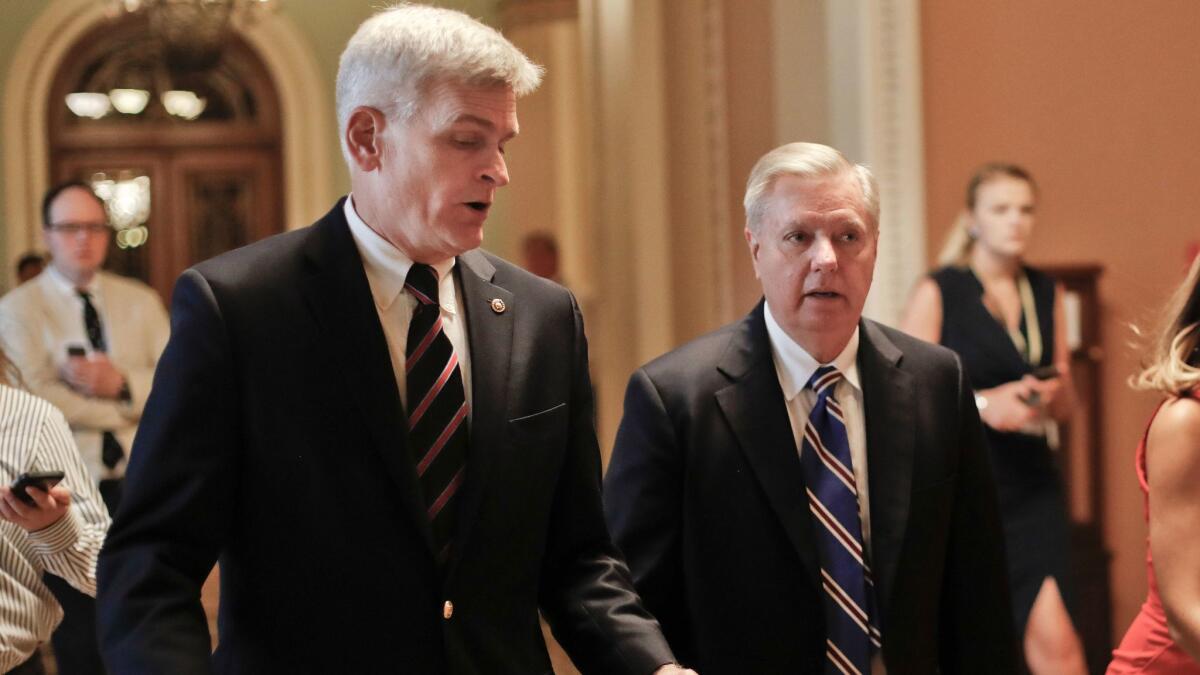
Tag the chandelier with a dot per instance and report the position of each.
(193, 32)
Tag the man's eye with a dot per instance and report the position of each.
(797, 237)
(467, 142)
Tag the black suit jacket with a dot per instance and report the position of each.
(705, 496)
(274, 438)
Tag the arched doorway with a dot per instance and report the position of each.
(188, 160)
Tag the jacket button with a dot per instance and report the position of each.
(447, 610)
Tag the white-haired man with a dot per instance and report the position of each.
(805, 490)
(384, 434)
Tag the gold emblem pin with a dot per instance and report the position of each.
(498, 306)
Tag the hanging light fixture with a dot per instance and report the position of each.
(129, 101)
(183, 103)
(93, 105)
(194, 32)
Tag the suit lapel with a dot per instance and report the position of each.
(755, 409)
(889, 408)
(340, 298)
(490, 335)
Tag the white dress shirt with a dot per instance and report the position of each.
(34, 437)
(42, 317)
(795, 366)
(387, 268)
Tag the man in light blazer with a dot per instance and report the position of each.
(384, 434)
(805, 490)
(86, 340)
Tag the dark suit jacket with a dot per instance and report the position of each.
(274, 438)
(705, 496)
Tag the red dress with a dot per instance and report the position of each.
(1147, 647)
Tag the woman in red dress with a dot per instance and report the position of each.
(1165, 636)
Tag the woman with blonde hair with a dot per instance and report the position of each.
(1165, 635)
(1004, 320)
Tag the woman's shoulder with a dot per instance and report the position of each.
(952, 278)
(1179, 416)
(14, 397)
(1173, 442)
(18, 404)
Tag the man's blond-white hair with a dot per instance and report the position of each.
(398, 52)
(806, 160)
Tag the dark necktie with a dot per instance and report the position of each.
(851, 624)
(437, 408)
(111, 451)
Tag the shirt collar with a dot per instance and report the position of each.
(387, 266)
(67, 287)
(795, 365)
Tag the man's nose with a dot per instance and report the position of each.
(497, 171)
(824, 257)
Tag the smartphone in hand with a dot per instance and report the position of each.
(43, 480)
(1046, 372)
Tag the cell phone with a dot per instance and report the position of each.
(43, 480)
(1046, 372)
(76, 350)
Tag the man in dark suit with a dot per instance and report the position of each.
(384, 434)
(806, 491)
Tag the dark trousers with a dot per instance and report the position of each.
(75, 646)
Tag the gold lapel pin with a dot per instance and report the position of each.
(498, 306)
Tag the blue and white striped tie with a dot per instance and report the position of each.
(851, 625)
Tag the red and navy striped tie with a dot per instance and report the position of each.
(851, 625)
(437, 408)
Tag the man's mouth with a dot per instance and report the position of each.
(828, 295)
(481, 207)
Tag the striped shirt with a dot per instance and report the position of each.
(34, 437)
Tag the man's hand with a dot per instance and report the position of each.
(93, 376)
(674, 669)
(48, 507)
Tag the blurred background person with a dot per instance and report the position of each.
(88, 341)
(29, 265)
(1165, 635)
(1000, 316)
(539, 254)
(60, 533)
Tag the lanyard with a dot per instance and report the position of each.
(1030, 348)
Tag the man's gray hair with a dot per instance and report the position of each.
(806, 160)
(399, 51)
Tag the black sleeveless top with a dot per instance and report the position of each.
(979, 338)
(1032, 501)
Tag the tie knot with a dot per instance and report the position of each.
(422, 282)
(824, 378)
(86, 296)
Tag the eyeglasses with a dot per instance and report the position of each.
(72, 229)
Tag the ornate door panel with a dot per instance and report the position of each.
(226, 199)
(193, 155)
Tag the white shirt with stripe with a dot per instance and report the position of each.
(34, 436)
(794, 366)
(387, 268)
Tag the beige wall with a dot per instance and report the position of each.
(1098, 98)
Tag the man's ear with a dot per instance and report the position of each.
(753, 245)
(752, 242)
(364, 137)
